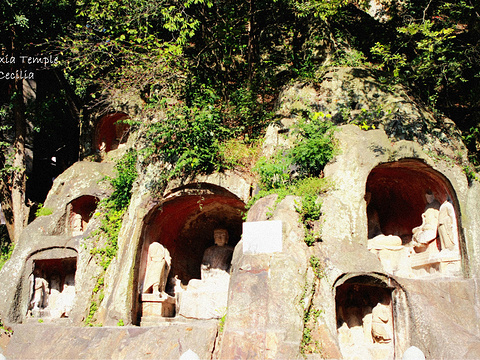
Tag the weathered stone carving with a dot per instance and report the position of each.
(77, 224)
(437, 220)
(207, 298)
(427, 232)
(52, 299)
(158, 267)
(421, 256)
(218, 256)
(366, 329)
(382, 329)
(156, 303)
(447, 227)
(40, 290)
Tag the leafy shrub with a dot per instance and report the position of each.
(6, 247)
(235, 152)
(315, 146)
(274, 172)
(189, 138)
(123, 182)
(43, 211)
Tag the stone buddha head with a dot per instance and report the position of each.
(220, 237)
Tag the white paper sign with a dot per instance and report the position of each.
(262, 237)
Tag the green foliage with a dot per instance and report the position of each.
(311, 313)
(135, 45)
(319, 8)
(89, 320)
(274, 172)
(310, 210)
(43, 211)
(3, 328)
(235, 152)
(123, 182)
(189, 138)
(114, 208)
(6, 247)
(221, 324)
(317, 267)
(471, 174)
(276, 180)
(436, 49)
(315, 146)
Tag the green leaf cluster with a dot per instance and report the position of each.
(315, 146)
(6, 247)
(43, 211)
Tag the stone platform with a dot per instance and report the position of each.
(127, 342)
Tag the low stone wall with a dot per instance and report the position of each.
(168, 341)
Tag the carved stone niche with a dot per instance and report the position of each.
(111, 133)
(79, 213)
(52, 286)
(413, 215)
(183, 225)
(365, 321)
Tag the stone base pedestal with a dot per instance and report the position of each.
(205, 299)
(159, 307)
(445, 262)
(198, 304)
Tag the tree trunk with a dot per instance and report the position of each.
(251, 41)
(18, 184)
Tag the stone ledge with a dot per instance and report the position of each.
(126, 342)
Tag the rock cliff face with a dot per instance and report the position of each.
(371, 287)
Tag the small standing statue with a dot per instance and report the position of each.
(382, 328)
(447, 227)
(158, 267)
(40, 293)
(218, 256)
(77, 224)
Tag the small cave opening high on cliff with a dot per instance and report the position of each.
(111, 132)
(395, 194)
(80, 211)
(184, 224)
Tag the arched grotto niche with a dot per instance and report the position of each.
(371, 313)
(111, 133)
(413, 220)
(51, 283)
(79, 213)
(184, 225)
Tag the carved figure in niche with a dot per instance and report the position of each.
(39, 296)
(207, 298)
(382, 329)
(103, 145)
(77, 224)
(447, 227)
(158, 267)
(218, 256)
(54, 299)
(68, 295)
(427, 232)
